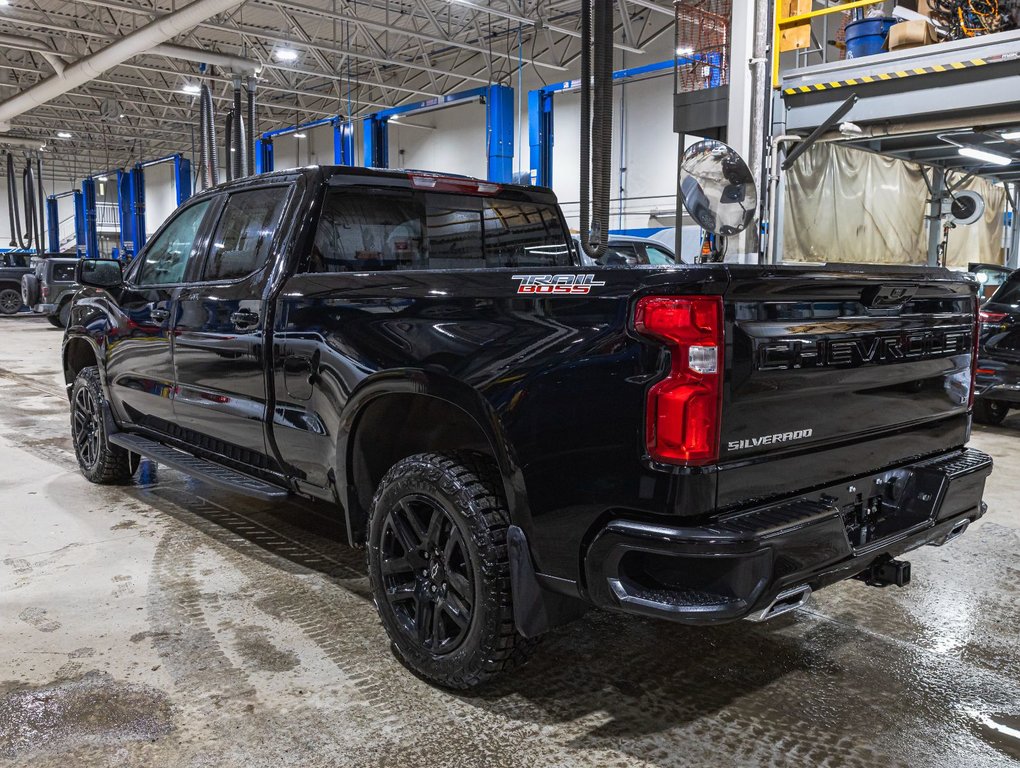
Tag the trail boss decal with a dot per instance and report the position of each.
(556, 285)
(755, 442)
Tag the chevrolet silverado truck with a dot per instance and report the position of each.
(515, 437)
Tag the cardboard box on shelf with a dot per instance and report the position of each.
(911, 34)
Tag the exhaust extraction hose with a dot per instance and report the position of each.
(228, 137)
(596, 168)
(203, 142)
(236, 162)
(249, 144)
(17, 239)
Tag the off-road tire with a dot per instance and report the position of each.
(99, 460)
(63, 314)
(990, 411)
(467, 488)
(54, 320)
(29, 290)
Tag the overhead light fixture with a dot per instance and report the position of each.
(684, 51)
(286, 54)
(63, 135)
(191, 88)
(5, 2)
(300, 135)
(988, 157)
(1011, 135)
(100, 178)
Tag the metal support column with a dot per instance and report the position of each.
(125, 207)
(88, 194)
(138, 199)
(263, 155)
(1013, 254)
(938, 191)
(499, 131)
(343, 142)
(540, 136)
(377, 142)
(79, 223)
(52, 225)
(182, 183)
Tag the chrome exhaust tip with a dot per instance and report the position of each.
(786, 601)
(955, 531)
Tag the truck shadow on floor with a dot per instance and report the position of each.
(626, 679)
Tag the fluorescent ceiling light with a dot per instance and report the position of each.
(100, 178)
(191, 88)
(300, 135)
(1011, 135)
(5, 2)
(63, 135)
(988, 157)
(684, 51)
(286, 54)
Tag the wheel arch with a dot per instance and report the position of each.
(401, 414)
(80, 352)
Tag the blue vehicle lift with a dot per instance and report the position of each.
(540, 106)
(131, 199)
(53, 221)
(499, 129)
(343, 142)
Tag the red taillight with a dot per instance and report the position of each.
(991, 317)
(440, 183)
(44, 291)
(683, 411)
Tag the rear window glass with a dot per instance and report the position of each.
(1008, 293)
(368, 230)
(245, 233)
(63, 273)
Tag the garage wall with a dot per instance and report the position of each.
(450, 140)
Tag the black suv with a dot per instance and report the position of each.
(49, 287)
(13, 266)
(998, 373)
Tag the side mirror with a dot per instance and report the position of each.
(99, 273)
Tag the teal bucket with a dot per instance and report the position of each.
(867, 36)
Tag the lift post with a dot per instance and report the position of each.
(79, 223)
(377, 141)
(52, 225)
(343, 142)
(540, 109)
(88, 215)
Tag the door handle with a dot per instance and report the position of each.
(244, 318)
(159, 315)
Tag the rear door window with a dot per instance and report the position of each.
(370, 230)
(63, 273)
(244, 234)
(167, 257)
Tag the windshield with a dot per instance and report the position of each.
(367, 229)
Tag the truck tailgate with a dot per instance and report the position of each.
(823, 364)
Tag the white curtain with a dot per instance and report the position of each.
(846, 205)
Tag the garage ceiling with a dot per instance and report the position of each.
(353, 56)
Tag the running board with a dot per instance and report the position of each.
(202, 469)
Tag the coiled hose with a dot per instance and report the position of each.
(596, 171)
(237, 160)
(203, 142)
(249, 145)
(228, 138)
(209, 153)
(17, 239)
(28, 187)
(41, 197)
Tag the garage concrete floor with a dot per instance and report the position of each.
(172, 624)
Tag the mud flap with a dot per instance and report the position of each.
(536, 610)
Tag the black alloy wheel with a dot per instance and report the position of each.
(10, 301)
(85, 427)
(98, 459)
(439, 568)
(990, 411)
(426, 573)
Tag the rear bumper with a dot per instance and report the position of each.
(44, 309)
(737, 565)
(998, 380)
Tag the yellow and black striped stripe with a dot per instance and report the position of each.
(885, 76)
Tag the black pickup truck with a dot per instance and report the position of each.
(515, 437)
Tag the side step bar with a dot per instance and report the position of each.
(200, 468)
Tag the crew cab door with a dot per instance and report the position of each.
(139, 367)
(219, 360)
